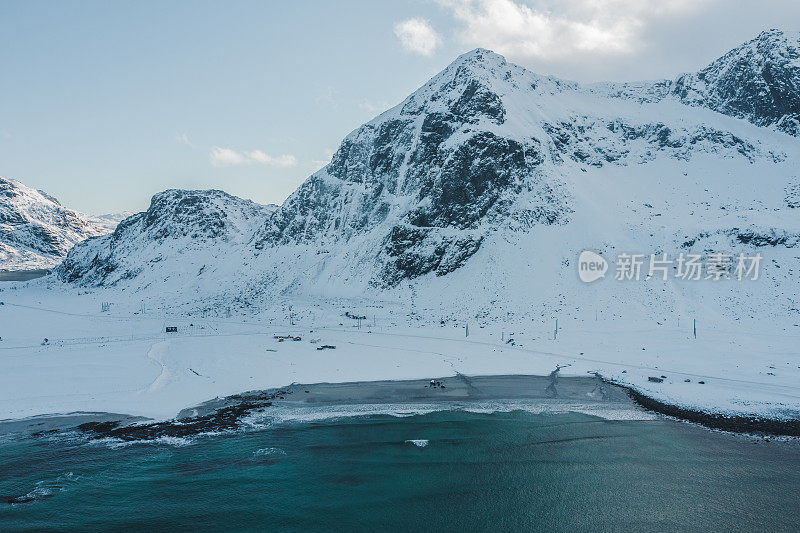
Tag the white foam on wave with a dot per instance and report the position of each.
(265, 452)
(600, 410)
(284, 414)
(47, 488)
(39, 493)
(115, 443)
(419, 443)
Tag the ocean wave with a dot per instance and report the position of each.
(44, 490)
(268, 452)
(176, 442)
(305, 414)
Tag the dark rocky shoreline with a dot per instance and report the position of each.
(749, 425)
(218, 419)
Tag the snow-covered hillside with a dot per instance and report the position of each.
(474, 196)
(493, 178)
(182, 233)
(36, 231)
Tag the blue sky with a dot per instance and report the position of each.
(103, 104)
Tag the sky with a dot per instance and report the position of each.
(103, 104)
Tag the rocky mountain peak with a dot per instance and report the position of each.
(467, 89)
(777, 42)
(197, 214)
(479, 58)
(36, 231)
(180, 227)
(476, 87)
(758, 81)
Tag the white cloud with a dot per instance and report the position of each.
(416, 35)
(284, 160)
(549, 30)
(184, 139)
(226, 157)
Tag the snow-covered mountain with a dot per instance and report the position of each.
(110, 221)
(475, 195)
(36, 231)
(758, 81)
(182, 232)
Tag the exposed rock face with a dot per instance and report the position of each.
(758, 81)
(425, 177)
(36, 231)
(177, 226)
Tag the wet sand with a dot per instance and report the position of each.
(221, 414)
(459, 388)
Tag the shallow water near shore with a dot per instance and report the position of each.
(444, 470)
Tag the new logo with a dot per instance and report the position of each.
(591, 266)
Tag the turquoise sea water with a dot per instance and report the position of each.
(502, 471)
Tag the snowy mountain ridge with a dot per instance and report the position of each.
(184, 230)
(493, 178)
(111, 220)
(485, 141)
(36, 231)
(758, 81)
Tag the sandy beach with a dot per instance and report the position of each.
(552, 393)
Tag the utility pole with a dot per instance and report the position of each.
(694, 327)
(466, 329)
(555, 333)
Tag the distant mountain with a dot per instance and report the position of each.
(181, 232)
(36, 231)
(110, 220)
(475, 195)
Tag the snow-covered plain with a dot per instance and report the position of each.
(122, 360)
